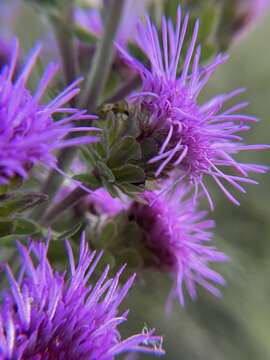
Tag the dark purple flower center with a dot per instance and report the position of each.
(156, 233)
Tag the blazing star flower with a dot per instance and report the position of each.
(192, 139)
(176, 238)
(45, 316)
(28, 133)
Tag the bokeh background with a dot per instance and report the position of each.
(236, 327)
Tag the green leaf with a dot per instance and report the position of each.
(89, 180)
(129, 173)
(71, 232)
(89, 156)
(25, 227)
(12, 228)
(130, 189)
(131, 257)
(127, 149)
(107, 236)
(102, 148)
(18, 202)
(83, 35)
(110, 187)
(6, 227)
(104, 171)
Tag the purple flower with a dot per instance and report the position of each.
(28, 133)
(258, 6)
(249, 12)
(46, 316)
(101, 202)
(176, 239)
(91, 20)
(192, 139)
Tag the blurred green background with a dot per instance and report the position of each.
(236, 327)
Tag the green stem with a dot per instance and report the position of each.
(64, 37)
(63, 32)
(103, 57)
(53, 182)
(69, 201)
(98, 74)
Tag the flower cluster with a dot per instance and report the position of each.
(177, 236)
(28, 133)
(46, 315)
(147, 173)
(192, 139)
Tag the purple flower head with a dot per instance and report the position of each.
(177, 238)
(46, 315)
(192, 139)
(91, 20)
(28, 133)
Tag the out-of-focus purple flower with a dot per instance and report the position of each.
(45, 316)
(248, 12)
(192, 139)
(176, 239)
(91, 20)
(259, 6)
(28, 133)
(101, 202)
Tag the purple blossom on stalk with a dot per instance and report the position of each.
(195, 140)
(91, 20)
(28, 133)
(258, 6)
(250, 11)
(177, 236)
(45, 316)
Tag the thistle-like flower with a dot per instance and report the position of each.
(191, 139)
(176, 237)
(91, 20)
(28, 133)
(45, 316)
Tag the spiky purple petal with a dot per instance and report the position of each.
(200, 140)
(177, 235)
(28, 133)
(48, 315)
